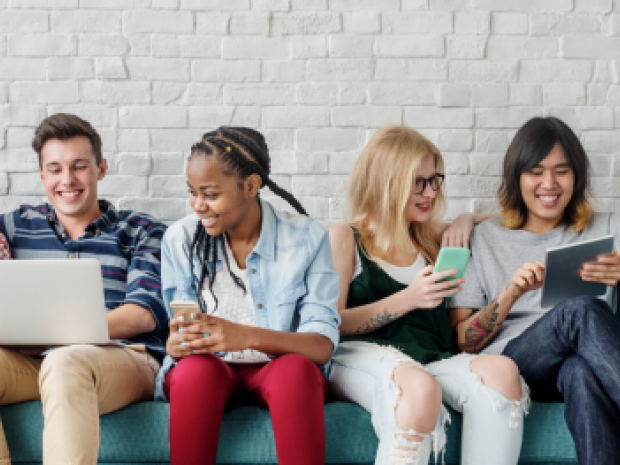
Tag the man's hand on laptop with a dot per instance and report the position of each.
(527, 278)
(605, 270)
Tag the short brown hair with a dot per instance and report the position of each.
(65, 126)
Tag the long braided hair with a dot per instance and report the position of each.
(245, 152)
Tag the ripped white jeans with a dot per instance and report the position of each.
(362, 373)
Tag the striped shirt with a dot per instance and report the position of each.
(126, 243)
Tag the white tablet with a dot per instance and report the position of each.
(562, 265)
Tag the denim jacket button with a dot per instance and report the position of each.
(260, 305)
(253, 270)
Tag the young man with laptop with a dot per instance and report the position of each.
(571, 351)
(77, 383)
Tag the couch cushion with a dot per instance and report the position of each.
(139, 433)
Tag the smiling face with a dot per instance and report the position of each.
(69, 173)
(419, 207)
(219, 197)
(547, 190)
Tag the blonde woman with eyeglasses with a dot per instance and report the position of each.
(398, 357)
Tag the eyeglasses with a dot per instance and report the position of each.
(435, 181)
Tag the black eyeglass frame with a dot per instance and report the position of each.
(428, 181)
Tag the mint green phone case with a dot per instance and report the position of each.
(452, 258)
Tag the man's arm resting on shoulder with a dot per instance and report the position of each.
(130, 320)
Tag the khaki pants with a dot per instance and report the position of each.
(76, 384)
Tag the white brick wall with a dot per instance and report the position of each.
(317, 77)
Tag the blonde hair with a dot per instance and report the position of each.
(382, 184)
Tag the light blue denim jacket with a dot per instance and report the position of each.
(294, 288)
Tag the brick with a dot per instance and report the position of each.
(509, 23)
(418, 22)
(172, 4)
(458, 187)
(97, 115)
(593, 6)
(454, 140)
(411, 70)
(352, 94)
(69, 68)
(110, 68)
(492, 141)
(41, 45)
(312, 185)
(487, 164)
(305, 23)
(164, 209)
(485, 206)
(18, 137)
(402, 94)
(23, 115)
(174, 45)
(312, 163)
(215, 23)
(328, 139)
(115, 4)
(523, 5)
(585, 117)
(408, 5)
(226, 71)
(168, 186)
(158, 21)
(613, 95)
(257, 94)
(452, 5)
(133, 140)
(474, 22)
(564, 94)
(174, 140)
(351, 46)
(455, 163)
(201, 94)
(454, 95)
(294, 117)
(163, 69)
(135, 164)
(466, 46)
(215, 5)
(433, 117)
(603, 71)
(525, 94)
(316, 93)
(589, 47)
(309, 4)
(215, 116)
(168, 92)
(521, 47)
(361, 22)
(168, 163)
(279, 139)
(600, 164)
(336, 208)
(512, 117)
(489, 95)
(22, 68)
(153, 116)
(236, 48)
(356, 5)
(284, 71)
(271, 5)
(51, 4)
(340, 69)
(103, 44)
(555, 71)
(284, 162)
(483, 71)
(83, 21)
(132, 186)
(116, 93)
(249, 24)
(563, 24)
(19, 160)
(485, 186)
(308, 47)
(366, 116)
(23, 22)
(410, 46)
(25, 184)
(4, 92)
(597, 93)
(44, 92)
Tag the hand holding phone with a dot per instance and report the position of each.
(452, 258)
(183, 310)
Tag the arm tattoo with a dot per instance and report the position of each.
(380, 320)
(481, 326)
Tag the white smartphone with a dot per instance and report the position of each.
(182, 308)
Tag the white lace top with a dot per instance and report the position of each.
(234, 306)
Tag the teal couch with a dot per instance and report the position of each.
(138, 434)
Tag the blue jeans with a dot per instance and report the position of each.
(573, 353)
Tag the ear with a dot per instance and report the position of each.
(253, 184)
(102, 169)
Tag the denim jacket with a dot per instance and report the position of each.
(293, 282)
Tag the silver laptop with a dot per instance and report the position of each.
(52, 302)
(562, 265)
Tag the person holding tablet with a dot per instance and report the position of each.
(265, 290)
(570, 352)
(396, 358)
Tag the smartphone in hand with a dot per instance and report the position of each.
(184, 309)
(452, 258)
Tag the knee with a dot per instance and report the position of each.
(575, 375)
(198, 370)
(500, 373)
(299, 372)
(584, 305)
(419, 403)
(63, 369)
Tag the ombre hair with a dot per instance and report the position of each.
(382, 185)
(532, 143)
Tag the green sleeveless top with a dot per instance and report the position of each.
(423, 334)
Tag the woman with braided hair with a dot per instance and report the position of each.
(267, 292)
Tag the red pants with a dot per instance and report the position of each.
(200, 387)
